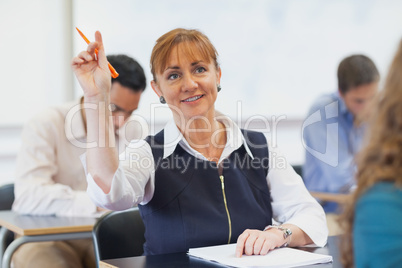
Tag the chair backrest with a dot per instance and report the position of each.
(6, 196)
(298, 169)
(119, 234)
(6, 202)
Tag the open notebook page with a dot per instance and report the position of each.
(281, 257)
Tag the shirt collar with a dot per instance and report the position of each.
(172, 137)
(234, 139)
(342, 106)
(343, 110)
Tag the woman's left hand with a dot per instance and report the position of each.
(256, 242)
(92, 71)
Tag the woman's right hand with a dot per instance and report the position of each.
(92, 71)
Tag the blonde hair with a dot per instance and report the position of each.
(193, 44)
(381, 159)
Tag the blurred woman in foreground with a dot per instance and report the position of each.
(373, 220)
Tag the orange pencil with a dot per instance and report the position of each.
(112, 70)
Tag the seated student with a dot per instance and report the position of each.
(338, 124)
(373, 220)
(202, 180)
(50, 179)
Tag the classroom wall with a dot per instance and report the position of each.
(35, 51)
(276, 56)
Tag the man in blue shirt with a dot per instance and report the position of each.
(334, 128)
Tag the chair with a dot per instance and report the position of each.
(298, 169)
(6, 196)
(6, 202)
(119, 234)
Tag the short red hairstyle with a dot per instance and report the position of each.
(193, 44)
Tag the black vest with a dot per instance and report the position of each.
(188, 207)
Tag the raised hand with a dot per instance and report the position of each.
(92, 71)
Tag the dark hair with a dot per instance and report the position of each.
(356, 70)
(131, 74)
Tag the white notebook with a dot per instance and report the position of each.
(281, 257)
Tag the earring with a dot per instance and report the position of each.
(162, 100)
(219, 87)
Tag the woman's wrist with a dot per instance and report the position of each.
(285, 232)
(101, 97)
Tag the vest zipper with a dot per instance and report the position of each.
(226, 207)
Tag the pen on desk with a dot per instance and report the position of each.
(112, 70)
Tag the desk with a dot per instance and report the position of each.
(331, 197)
(39, 229)
(183, 260)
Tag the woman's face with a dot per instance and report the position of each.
(188, 86)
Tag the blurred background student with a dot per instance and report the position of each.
(50, 179)
(373, 220)
(333, 141)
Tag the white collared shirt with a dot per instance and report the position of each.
(49, 178)
(134, 181)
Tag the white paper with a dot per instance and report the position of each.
(281, 257)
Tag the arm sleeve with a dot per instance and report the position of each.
(377, 229)
(133, 181)
(292, 203)
(329, 162)
(36, 192)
